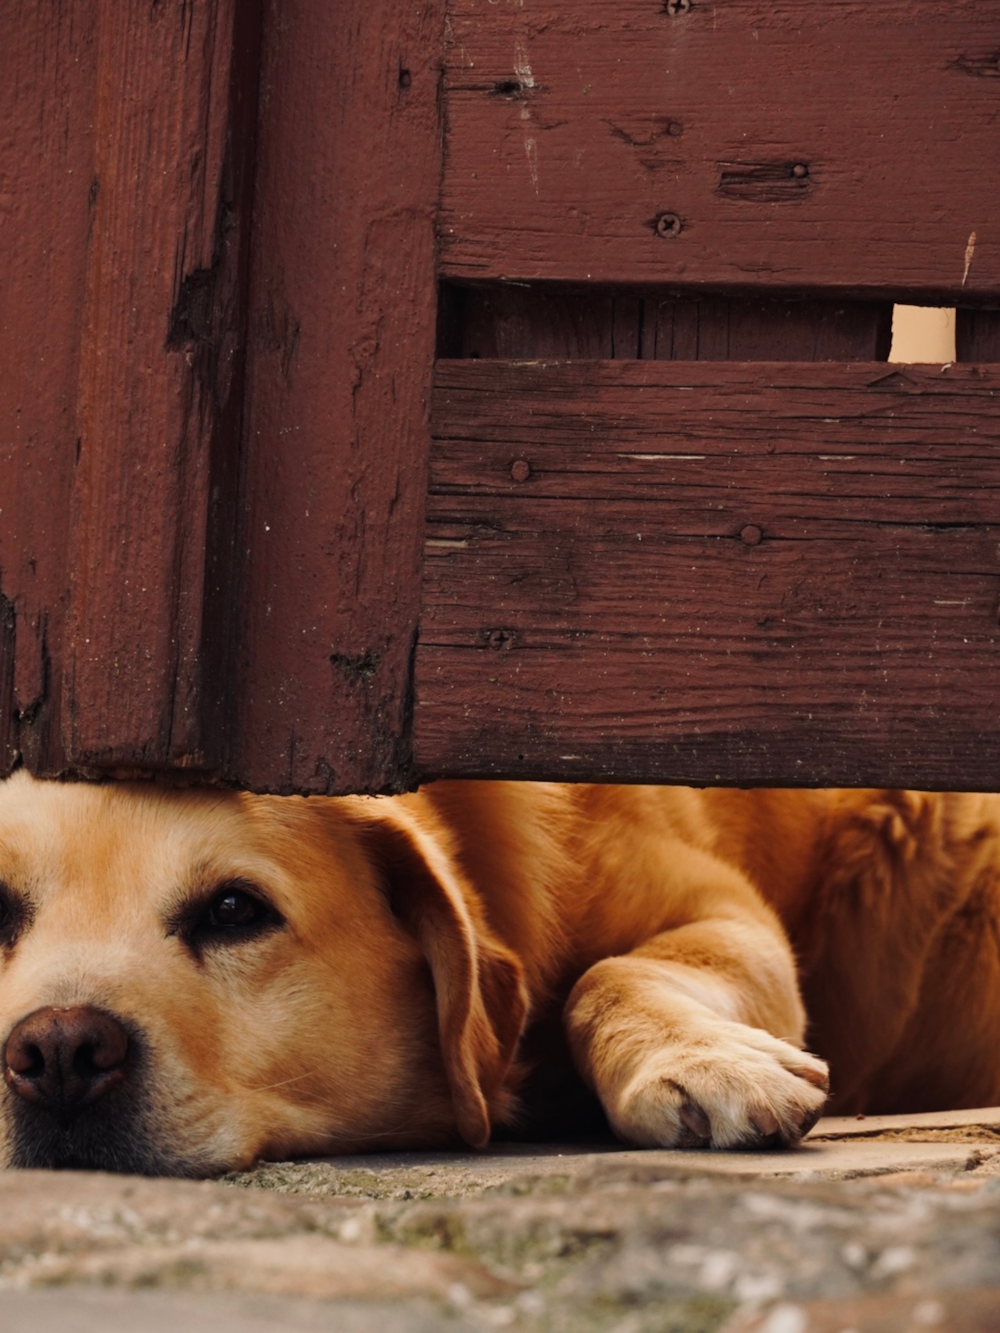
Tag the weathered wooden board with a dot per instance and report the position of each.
(519, 323)
(160, 378)
(712, 573)
(342, 348)
(46, 173)
(788, 145)
(126, 137)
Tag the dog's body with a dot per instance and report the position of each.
(192, 979)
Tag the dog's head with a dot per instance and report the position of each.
(192, 980)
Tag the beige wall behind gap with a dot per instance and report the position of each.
(922, 333)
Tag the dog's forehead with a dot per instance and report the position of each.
(57, 831)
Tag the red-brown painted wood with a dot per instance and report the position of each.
(46, 174)
(977, 335)
(342, 328)
(712, 573)
(159, 363)
(516, 323)
(789, 146)
(205, 573)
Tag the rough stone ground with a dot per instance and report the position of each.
(877, 1225)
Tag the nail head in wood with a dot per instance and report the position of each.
(751, 535)
(520, 470)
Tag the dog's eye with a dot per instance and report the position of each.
(13, 917)
(233, 907)
(234, 913)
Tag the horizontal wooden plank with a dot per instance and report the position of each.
(784, 145)
(658, 571)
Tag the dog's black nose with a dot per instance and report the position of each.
(65, 1058)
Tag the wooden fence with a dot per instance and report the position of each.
(498, 387)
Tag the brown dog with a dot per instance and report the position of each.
(192, 980)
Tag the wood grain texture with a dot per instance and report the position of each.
(343, 318)
(712, 573)
(798, 147)
(46, 173)
(526, 323)
(159, 366)
(977, 335)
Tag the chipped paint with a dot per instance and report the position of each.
(970, 251)
(522, 69)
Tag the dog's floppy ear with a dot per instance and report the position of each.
(481, 996)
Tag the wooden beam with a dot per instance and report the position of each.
(656, 571)
(160, 383)
(46, 209)
(337, 437)
(790, 146)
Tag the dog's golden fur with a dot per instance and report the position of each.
(409, 944)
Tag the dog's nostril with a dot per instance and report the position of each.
(35, 1062)
(26, 1059)
(65, 1058)
(84, 1063)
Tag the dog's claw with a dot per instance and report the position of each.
(765, 1123)
(818, 1077)
(696, 1122)
(808, 1120)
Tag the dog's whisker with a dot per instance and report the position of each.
(269, 1087)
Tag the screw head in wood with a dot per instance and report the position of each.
(520, 469)
(751, 535)
(668, 225)
(675, 7)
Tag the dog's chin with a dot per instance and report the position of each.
(105, 1137)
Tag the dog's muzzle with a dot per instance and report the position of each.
(78, 1094)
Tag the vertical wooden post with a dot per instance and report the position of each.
(46, 174)
(160, 366)
(340, 365)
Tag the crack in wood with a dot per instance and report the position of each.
(983, 66)
(190, 320)
(765, 182)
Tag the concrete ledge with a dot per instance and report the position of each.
(865, 1224)
(985, 1121)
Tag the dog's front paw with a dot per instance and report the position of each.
(730, 1086)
